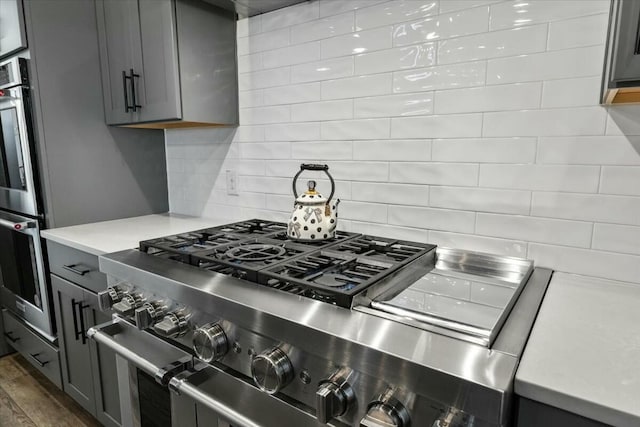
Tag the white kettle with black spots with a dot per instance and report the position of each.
(314, 216)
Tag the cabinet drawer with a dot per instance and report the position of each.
(36, 350)
(76, 266)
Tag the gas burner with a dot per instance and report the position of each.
(255, 252)
(180, 246)
(389, 250)
(254, 227)
(340, 236)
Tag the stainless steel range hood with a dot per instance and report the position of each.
(246, 8)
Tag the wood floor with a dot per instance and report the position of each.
(29, 399)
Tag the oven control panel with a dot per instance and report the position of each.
(330, 391)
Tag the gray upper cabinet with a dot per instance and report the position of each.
(167, 63)
(12, 30)
(621, 77)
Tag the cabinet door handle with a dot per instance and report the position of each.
(77, 269)
(10, 337)
(75, 319)
(34, 356)
(83, 329)
(133, 78)
(127, 107)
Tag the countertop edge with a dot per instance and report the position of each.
(72, 243)
(585, 408)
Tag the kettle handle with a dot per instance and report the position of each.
(314, 167)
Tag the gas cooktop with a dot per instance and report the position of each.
(260, 251)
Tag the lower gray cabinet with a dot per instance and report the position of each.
(88, 370)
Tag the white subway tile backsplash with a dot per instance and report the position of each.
(574, 92)
(481, 199)
(323, 110)
(579, 179)
(334, 7)
(356, 43)
(355, 87)
(293, 132)
(582, 62)
(587, 207)
(265, 150)
(323, 28)
(496, 44)
(392, 12)
(325, 150)
(397, 194)
(531, 229)
(263, 79)
(266, 41)
(454, 24)
(263, 115)
(616, 238)
(440, 77)
(479, 243)
(555, 122)
(409, 104)
(585, 31)
(485, 150)
(355, 129)
(322, 70)
(292, 94)
(249, 63)
(467, 123)
(434, 173)
(433, 219)
(447, 6)
(392, 150)
(590, 150)
(517, 96)
(291, 55)
(623, 180)
(399, 58)
(296, 14)
(519, 13)
(358, 211)
(451, 126)
(588, 262)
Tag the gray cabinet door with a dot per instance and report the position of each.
(103, 361)
(157, 63)
(119, 38)
(77, 379)
(626, 60)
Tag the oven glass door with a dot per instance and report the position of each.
(17, 191)
(23, 283)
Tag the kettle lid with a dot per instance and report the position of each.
(311, 196)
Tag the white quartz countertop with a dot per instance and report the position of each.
(583, 355)
(112, 236)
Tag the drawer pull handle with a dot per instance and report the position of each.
(10, 337)
(34, 356)
(77, 269)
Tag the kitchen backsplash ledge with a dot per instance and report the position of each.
(470, 124)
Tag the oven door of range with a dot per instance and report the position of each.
(23, 284)
(201, 395)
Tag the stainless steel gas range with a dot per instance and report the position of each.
(238, 325)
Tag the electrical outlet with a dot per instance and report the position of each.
(232, 182)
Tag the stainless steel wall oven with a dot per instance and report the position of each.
(23, 278)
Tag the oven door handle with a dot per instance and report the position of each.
(17, 226)
(180, 385)
(149, 353)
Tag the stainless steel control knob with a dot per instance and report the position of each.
(172, 325)
(127, 305)
(149, 313)
(110, 296)
(210, 343)
(272, 370)
(333, 398)
(386, 411)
